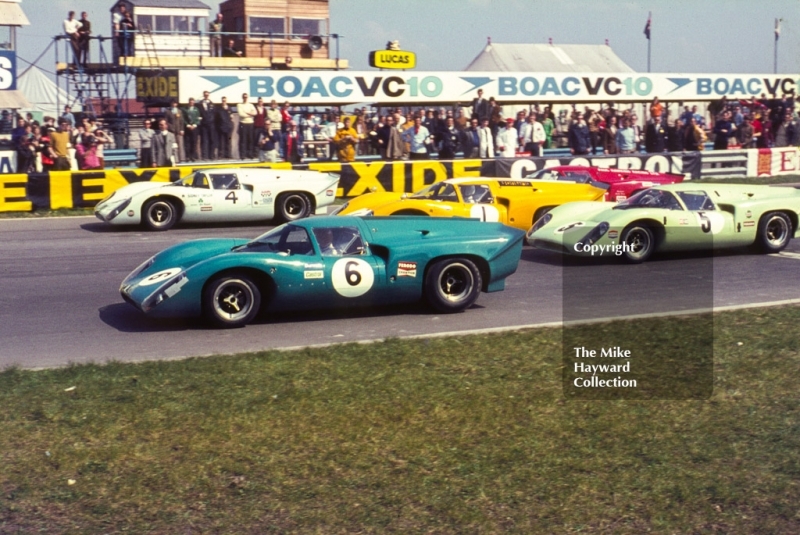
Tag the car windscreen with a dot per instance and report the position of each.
(696, 200)
(441, 191)
(651, 198)
(196, 180)
(287, 239)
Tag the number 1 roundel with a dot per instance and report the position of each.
(352, 277)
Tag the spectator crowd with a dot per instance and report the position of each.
(268, 132)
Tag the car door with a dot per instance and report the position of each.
(229, 201)
(196, 196)
(353, 275)
(708, 226)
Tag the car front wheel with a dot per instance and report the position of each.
(293, 206)
(452, 284)
(638, 242)
(231, 301)
(159, 214)
(774, 232)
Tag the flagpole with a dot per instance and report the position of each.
(647, 31)
(777, 33)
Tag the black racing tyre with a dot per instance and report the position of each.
(293, 206)
(159, 214)
(231, 301)
(639, 243)
(774, 232)
(452, 284)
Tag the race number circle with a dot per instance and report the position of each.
(710, 221)
(484, 212)
(571, 226)
(161, 276)
(352, 277)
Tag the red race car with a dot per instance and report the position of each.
(622, 182)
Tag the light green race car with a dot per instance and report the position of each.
(675, 217)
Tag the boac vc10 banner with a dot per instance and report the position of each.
(345, 87)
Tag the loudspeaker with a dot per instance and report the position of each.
(315, 42)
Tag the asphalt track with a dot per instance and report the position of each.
(59, 300)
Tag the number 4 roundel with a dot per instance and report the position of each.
(352, 277)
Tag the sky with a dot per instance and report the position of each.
(699, 36)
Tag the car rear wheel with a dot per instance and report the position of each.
(231, 301)
(452, 284)
(159, 214)
(293, 206)
(774, 232)
(638, 242)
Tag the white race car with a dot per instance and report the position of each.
(221, 195)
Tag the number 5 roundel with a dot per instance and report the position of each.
(352, 277)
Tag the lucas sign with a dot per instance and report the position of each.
(344, 87)
(392, 59)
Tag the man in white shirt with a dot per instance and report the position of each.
(532, 136)
(418, 137)
(506, 141)
(247, 142)
(71, 27)
(486, 146)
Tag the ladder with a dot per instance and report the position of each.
(150, 49)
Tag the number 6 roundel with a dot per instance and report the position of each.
(352, 277)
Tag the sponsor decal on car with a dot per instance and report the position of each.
(748, 214)
(206, 208)
(316, 274)
(683, 221)
(406, 269)
(315, 265)
(514, 183)
(749, 224)
(266, 194)
(613, 234)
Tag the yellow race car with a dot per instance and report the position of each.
(517, 203)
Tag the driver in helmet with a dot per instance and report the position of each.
(325, 241)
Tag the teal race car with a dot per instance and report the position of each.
(328, 262)
(676, 217)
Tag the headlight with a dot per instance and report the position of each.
(342, 207)
(118, 209)
(595, 234)
(136, 272)
(542, 221)
(165, 291)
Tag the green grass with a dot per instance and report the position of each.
(460, 435)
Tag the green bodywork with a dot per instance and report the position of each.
(719, 216)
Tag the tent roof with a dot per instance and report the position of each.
(43, 94)
(529, 57)
(11, 14)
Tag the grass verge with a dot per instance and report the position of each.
(459, 435)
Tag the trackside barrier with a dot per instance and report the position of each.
(83, 189)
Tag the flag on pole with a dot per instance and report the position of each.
(647, 28)
(777, 28)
